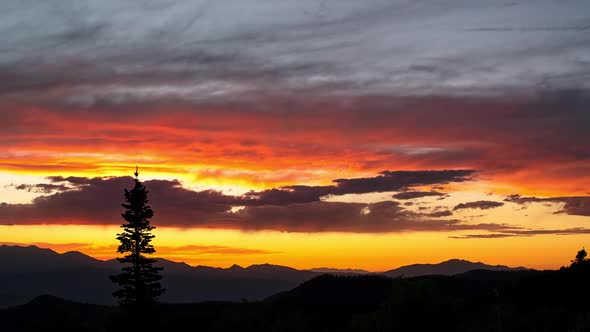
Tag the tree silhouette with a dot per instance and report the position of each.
(139, 280)
(580, 257)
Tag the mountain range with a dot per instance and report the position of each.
(27, 272)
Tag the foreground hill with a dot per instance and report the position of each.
(470, 302)
(27, 272)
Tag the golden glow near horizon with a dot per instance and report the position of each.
(372, 252)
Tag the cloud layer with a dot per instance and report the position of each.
(293, 209)
(138, 50)
(278, 142)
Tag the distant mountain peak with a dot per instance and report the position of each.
(449, 267)
(459, 260)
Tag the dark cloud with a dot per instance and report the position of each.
(518, 199)
(525, 233)
(572, 205)
(416, 194)
(567, 231)
(97, 201)
(385, 181)
(290, 194)
(384, 216)
(485, 236)
(44, 188)
(74, 180)
(579, 206)
(440, 214)
(397, 180)
(482, 205)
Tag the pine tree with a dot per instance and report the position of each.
(139, 280)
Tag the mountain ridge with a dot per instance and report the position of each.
(257, 266)
(26, 272)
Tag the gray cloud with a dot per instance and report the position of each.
(524, 233)
(44, 188)
(384, 216)
(572, 205)
(385, 181)
(396, 180)
(485, 236)
(416, 194)
(91, 52)
(482, 205)
(439, 214)
(97, 201)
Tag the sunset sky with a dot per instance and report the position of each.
(309, 133)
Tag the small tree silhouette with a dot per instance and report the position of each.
(139, 280)
(580, 257)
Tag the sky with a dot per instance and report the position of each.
(349, 134)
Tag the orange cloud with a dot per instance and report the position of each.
(274, 141)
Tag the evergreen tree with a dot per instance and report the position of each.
(139, 280)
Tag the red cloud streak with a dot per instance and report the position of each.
(537, 143)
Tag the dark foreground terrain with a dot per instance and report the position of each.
(473, 301)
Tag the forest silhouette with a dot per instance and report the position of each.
(478, 300)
